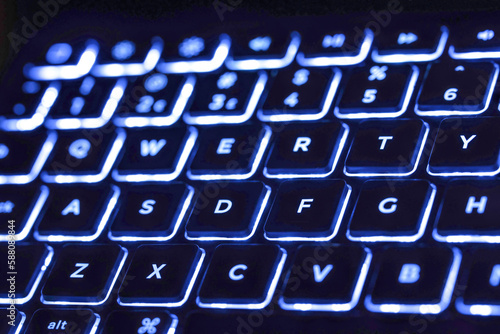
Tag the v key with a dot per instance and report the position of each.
(320, 274)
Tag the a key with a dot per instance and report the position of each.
(389, 148)
(15, 320)
(307, 210)
(376, 91)
(298, 93)
(253, 50)
(151, 212)
(229, 152)
(23, 268)
(479, 283)
(225, 97)
(154, 154)
(241, 276)
(68, 320)
(154, 100)
(468, 212)
(466, 146)
(133, 322)
(392, 210)
(417, 280)
(83, 155)
(23, 205)
(194, 53)
(22, 155)
(233, 214)
(456, 88)
(75, 213)
(331, 278)
(163, 275)
(83, 274)
(476, 38)
(85, 103)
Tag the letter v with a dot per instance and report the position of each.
(319, 275)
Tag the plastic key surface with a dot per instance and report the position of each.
(133, 322)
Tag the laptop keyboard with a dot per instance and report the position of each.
(233, 180)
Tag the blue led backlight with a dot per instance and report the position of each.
(123, 50)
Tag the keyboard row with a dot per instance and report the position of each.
(231, 97)
(305, 210)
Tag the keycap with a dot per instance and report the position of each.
(456, 88)
(163, 275)
(386, 148)
(225, 97)
(391, 210)
(468, 212)
(133, 322)
(22, 155)
(73, 213)
(466, 146)
(258, 49)
(85, 103)
(154, 100)
(331, 281)
(307, 210)
(233, 213)
(23, 268)
(299, 94)
(83, 155)
(22, 205)
(199, 53)
(68, 320)
(475, 39)
(479, 280)
(228, 152)
(151, 212)
(83, 274)
(241, 276)
(15, 320)
(376, 91)
(417, 280)
(153, 154)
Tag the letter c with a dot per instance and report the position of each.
(232, 274)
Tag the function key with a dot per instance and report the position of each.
(47, 321)
(225, 98)
(376, 91)
(300, 94)
(454, 88)
(476, 38)
(133, 322)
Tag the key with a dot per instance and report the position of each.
(387, 148)
(198, 53)
(23, 268)
(455, 88)
(233, 214)
(225, 97)
(475, 39)
(154, 100)
(154, 154)
(241, 277)
(129, 58)
(23, 155)
(468, 212)
(307, 210)
(83, 155)
(392, 210)
(229, 152)
(49, 321)
(75, 214)
(417, 280)
(466, 146)
(164, 275)
(151, 212)
(335, 47)
(255, 50)
(376, 91)
(133, 322)
(83, 274)
(331, 282)
(479, 282)
(15, 321)
(299, 94)
(85, 103)
(22, 205)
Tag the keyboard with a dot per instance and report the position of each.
(330, 174)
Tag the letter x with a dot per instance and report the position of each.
(156, 271)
